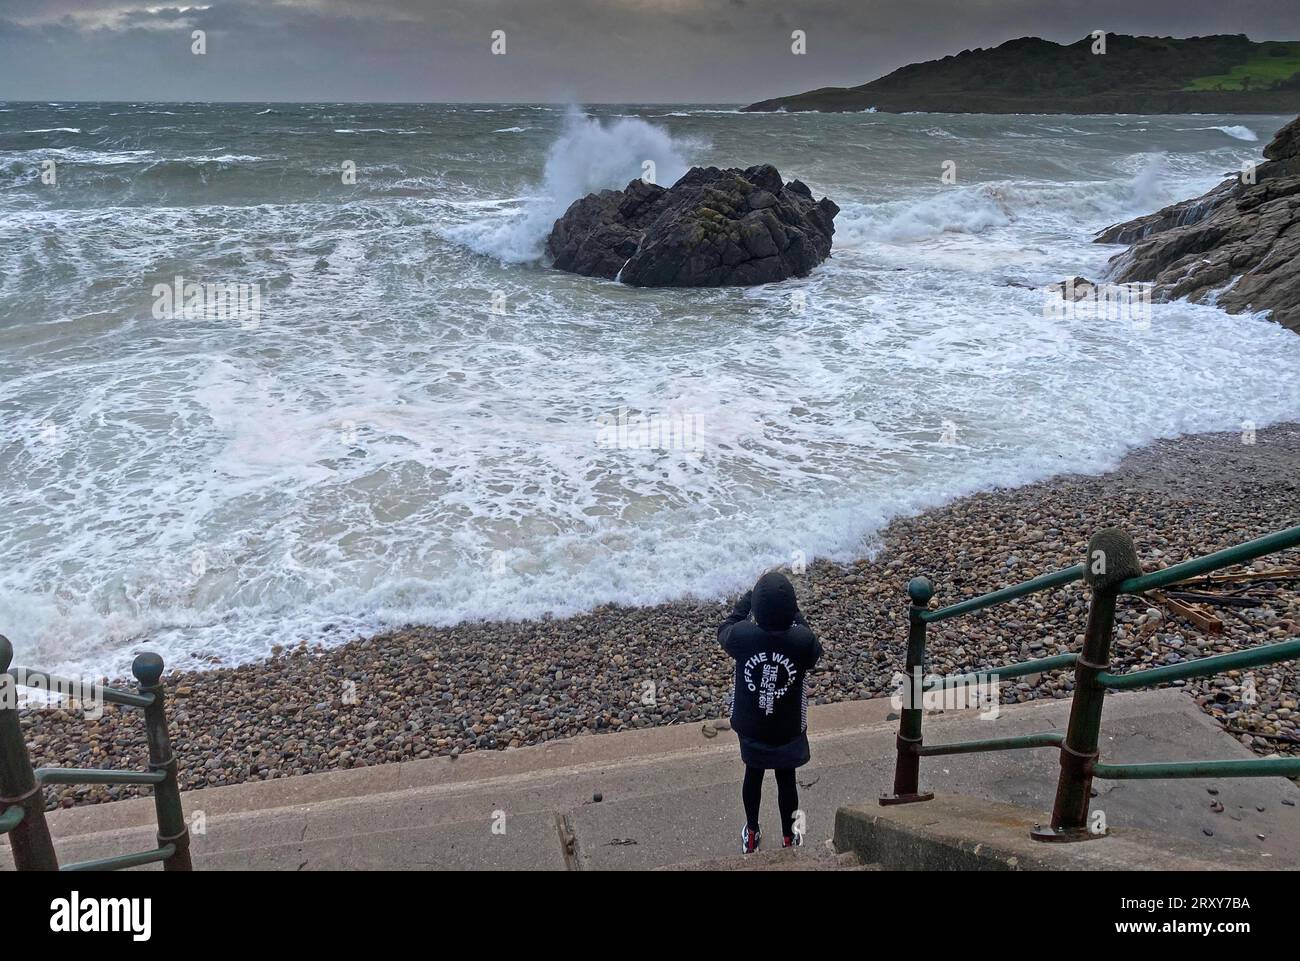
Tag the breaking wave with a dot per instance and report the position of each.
(587, 156)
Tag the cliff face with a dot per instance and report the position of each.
(1221, 74)
(1237, 246)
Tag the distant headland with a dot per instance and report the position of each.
(1151, 75)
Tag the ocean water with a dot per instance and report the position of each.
(415, 424)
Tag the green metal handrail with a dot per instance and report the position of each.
(1249, 551)
(164, 853)
(1040, 666)
(910, 748)
(1032, 586)
(109, 695)
(90, 775)
(1078, 746)
(1045, 739)
(1245, 767)
(1202, 666)
(23, 801)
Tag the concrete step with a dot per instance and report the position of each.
(954, 833)
(504, 810)
(479, 771)
(807, 858)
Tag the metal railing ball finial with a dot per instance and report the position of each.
(147, 668)
(920, 590)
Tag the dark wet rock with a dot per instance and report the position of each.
(1074, 289)
(1237, 246)
(599, 233)
(713, 228)
(1284, 148)
(1182, 214)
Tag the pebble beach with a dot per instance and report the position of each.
(420, 692)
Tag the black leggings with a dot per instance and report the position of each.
(787, 797)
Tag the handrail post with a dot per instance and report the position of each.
(1112, 558)
(29, 841)
(172, 829)
(907, 768)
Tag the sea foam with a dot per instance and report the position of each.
(413, 432)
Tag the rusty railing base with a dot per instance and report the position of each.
(1045, 832)
(888, 799)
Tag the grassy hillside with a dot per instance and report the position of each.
(1219, 74)
(1277, 65)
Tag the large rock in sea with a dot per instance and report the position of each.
(1237, 246)
(713, 228)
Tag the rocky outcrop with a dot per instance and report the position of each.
(713, 228)
(1237, 246)
(1182, 214)
(1075, 289)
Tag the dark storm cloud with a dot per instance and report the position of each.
(590, 50)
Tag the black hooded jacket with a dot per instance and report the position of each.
(773, 652)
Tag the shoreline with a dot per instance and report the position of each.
(419, 692)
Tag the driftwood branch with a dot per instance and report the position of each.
(1242, 577)
(1219, 600)
(1202, 619)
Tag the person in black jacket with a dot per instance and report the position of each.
(769, 708)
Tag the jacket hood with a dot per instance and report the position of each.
(774, 603)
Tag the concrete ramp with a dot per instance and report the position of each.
(671, 797)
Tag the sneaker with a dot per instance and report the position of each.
(792, 840)
(749, 840)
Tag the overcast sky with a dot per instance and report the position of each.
(556, 50)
